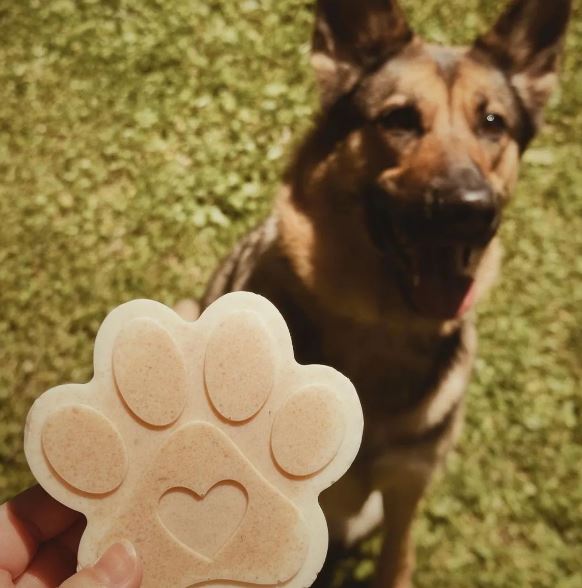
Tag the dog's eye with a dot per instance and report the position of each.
(493, 124)
(403, 119)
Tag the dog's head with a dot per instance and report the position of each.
(398, 192)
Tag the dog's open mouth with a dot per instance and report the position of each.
(439, 279)
(436, 273)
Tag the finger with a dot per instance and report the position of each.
(119, 567)
(55, 561)
(27, 520)
(6, 580)
(47, 517)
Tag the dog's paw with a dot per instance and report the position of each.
(204, 443)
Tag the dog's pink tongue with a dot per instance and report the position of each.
(439, 293)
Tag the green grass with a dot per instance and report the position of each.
(140, 138)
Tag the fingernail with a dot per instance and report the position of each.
(117, 565)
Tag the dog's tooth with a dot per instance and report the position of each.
(469, 258)
(475, 258)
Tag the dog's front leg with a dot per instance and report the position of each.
(396, 562)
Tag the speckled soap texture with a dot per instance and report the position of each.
(204, 443)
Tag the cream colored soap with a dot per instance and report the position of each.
(204, 443)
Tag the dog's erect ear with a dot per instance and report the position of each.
(526, 43)
(354, 36)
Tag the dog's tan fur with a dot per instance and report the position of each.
(315, 260)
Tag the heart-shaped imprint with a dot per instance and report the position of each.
(204, 523)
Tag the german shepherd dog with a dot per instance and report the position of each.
(383, 237)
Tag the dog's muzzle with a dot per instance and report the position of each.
(437, 236)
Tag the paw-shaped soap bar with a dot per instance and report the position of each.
(204, 443)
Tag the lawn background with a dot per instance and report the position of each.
(140, 138)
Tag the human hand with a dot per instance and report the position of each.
(39, 539)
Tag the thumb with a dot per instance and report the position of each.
(118, 567)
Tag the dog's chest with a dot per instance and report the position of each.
(392, 370)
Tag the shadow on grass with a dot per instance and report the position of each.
(350, 568)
